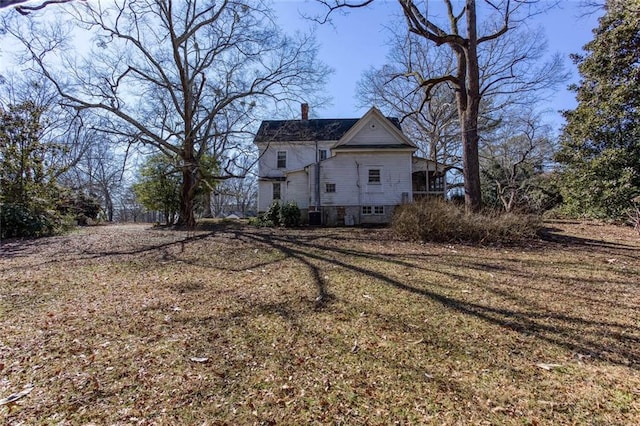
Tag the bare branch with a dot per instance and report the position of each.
(186, 78)
(25, 9)
(334, 5)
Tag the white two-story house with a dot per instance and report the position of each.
(342, 171)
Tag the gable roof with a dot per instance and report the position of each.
(372, 117)
(323, 129)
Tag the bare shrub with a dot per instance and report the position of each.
(440, 221)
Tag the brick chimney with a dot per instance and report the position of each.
(304, 110)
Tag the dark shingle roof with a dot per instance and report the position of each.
(324, 129)
(373, 146)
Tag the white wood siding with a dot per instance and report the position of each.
(348, 169)
(297, 189)
(349, 172)
(373, 133)
(265, 194)
(299, 155)
(264, 200)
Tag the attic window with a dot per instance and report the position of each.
(374, 176)
(330, 187)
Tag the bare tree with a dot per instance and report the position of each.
(130, 209)
(185, 78)
(86, 161)
(515, 154)
(25, 7)
(245, 193)
(432, 125)
(60, 125)
(464, 39)
(237, 194)
(100, 173)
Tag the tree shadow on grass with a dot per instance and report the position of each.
(554, 235)
(618, 343)
(63, 248)
(606, 340)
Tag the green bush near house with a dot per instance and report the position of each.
(273, 214)
(289, 215)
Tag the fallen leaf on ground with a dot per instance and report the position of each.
(548, 367)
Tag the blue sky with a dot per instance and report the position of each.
(356, 42)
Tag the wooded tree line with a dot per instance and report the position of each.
(183, 84)
(472, 94)
(600, 144)
(185, 80)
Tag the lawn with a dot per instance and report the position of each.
(231, 324)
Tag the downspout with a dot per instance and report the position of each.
(426, 178)
(444, 185)
(317, 179)
(359, 193)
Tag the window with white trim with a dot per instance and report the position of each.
(277, 190)
(330, 187)
(372, 210)
(281, 159)
(322, 154)
(374, 176)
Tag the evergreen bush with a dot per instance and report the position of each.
(17, 220)
(273, 214)
(289, 215)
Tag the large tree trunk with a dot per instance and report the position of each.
(207, 205)
(469, 113)
(189, 167)
(470, 160)
(189, 183)
(187, 194)
(109, 206)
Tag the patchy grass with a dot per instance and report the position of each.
(237, 325)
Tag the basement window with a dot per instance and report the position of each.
(372, 210)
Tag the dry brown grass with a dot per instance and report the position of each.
(320, 326)
(437, 220)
